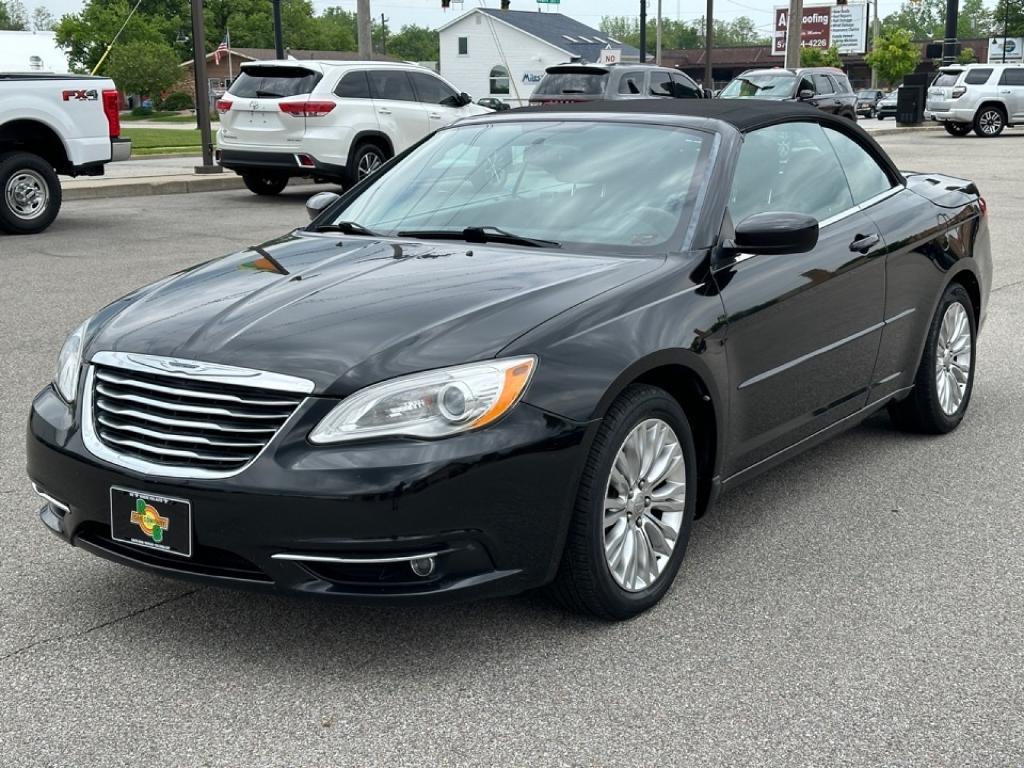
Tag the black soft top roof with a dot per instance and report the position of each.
(744, 114)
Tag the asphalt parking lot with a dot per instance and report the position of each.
(862, 605)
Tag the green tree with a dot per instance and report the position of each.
(144, 68)
(893, 56)
(967, 56)
(680, 34)
(926, 19)
(42, 19)
(820, 57)
(13, 15)
(414, 43)
(85, 35)
(1008, 14)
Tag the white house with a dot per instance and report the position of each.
(487, 52)
(31, 52)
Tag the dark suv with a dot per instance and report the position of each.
(569, 83)
(826, 88)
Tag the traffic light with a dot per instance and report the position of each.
(446, 4)
(505, 4)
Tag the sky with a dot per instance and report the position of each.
(428, 13)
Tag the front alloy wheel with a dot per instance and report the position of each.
(634, 508)
(644, 505)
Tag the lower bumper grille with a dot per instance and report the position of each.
(182, 420)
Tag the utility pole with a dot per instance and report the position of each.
(709, 41)
(383, 35)
(876, 29)
(657, 42)
(363, 29)
(794, 31)
(949, 41)
(202, 89)
(1006, 25)
(278, 41)
(643, 31)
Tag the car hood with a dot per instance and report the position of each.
(350, 311)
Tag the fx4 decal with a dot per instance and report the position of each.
(90, 95)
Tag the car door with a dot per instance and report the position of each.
(803, 329)
(400, 115)
(660, 85)
(684, 88)
(825, 97)
(356, 109)
(1011, 89)
(442, 104)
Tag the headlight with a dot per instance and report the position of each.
(69, 363)
(432, 404)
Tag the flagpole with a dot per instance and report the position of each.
(231, 72)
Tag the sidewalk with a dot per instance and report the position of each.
(153, 176)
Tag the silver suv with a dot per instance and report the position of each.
(982, 97)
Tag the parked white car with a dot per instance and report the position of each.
(49, 125)
(336, 121)
(982, 97)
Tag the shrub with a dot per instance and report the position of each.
(177, 101)
(142, 111)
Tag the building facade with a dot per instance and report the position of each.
(503, 54)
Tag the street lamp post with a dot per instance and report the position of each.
(643, 31)
(278, 42)
(202, 89)
(709, 40)
(949, 41)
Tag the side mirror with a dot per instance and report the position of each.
(775, 233)
(805, 95)
(318, 202)
(466, 98)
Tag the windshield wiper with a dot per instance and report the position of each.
(268, 95)
(485, 234)
(345, 227)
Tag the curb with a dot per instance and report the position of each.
(168, 185)
(895, 130)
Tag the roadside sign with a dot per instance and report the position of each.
(844, 26)
(1013, 47)
(610, 56)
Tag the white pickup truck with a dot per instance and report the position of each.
(52, 124)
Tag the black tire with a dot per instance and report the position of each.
(989, 121)
(852, 116)
(366, 159)
(921, 411)
(880, 117)
(584, 582)
(265, 183)
(33, 184)
(957, 129)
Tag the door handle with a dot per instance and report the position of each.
(1006, 91)
(864, 243)
(384, 111)
(435, 116)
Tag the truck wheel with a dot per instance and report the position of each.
(30, 193)
(265, 183)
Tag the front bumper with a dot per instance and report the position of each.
(492, 505)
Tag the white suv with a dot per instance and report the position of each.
(985, 97)
(336, 121)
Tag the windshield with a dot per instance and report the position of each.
(773, 85)
(624, 186)
(866, 94)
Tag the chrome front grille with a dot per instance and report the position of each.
(182, 418)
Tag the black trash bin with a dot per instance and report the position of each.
(910, 105)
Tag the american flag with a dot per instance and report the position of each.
(222, 48)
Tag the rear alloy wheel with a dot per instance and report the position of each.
(989, 122)
(265, 183)
(30, 193)
(945, 376)
(634, 509)
(957, 129)
(366, 161)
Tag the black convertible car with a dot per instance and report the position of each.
(527, 352)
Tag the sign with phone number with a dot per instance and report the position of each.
(844, 26)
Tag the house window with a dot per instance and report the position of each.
(499, 80)
(463, 46)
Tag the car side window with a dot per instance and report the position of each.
(789, 167)
(391, 84)
(1012, 76)
(661, 84)
(353, 85)
(977, 76)
(685, 88)
(805, 85)
(631, 83)
(822, 85)
(865, 176)
(431, 90)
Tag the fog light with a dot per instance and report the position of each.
(423, 566)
